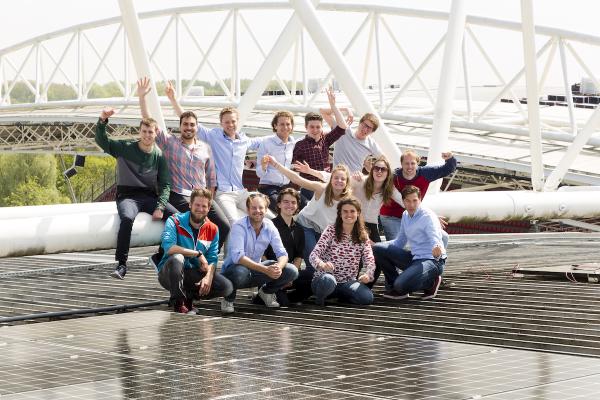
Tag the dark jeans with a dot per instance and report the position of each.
(307, 194)
(311, 237)
(271, 191)
(181, 282)
(301, 288)
(242, 277)
(375, 238)
(129, 207)
(215, 214)
(417, 274)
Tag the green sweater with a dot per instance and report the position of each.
(136, 169)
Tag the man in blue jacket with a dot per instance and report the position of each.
(191, 242)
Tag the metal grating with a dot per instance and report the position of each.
(484, 305)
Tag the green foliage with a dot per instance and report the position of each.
(17, 168)
(32, 193)
(61, 91)
(95, 177)
(21, 93)
(110, 89)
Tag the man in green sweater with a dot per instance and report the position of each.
(143, 181)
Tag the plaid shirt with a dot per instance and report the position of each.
(191, 166)
(316, 154)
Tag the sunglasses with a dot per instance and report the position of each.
(377, 168)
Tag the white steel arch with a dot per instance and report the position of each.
(39, 62)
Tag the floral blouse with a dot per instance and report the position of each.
(345, 255)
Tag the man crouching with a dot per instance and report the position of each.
(191, 244)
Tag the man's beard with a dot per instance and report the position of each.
(196, 219)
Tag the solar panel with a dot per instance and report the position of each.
(157, 354)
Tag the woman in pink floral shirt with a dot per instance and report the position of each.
(337, 258)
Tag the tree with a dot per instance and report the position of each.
(21, 93)
(17, 168)
(95, 177)
(31, 193)
(61, 91)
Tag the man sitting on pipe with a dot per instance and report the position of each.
(191, 246)
(141, 169)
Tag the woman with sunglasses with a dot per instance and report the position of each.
(373, 190)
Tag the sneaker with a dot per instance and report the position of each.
(392, 294)
(227, 306)
(270, 299)
(189, 303)
(154, 260)
(181, 307)
(119, 272)
(432, 291)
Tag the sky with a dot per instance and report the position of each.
(25, 19)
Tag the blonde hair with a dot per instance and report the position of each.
(410, 152)
(329, 189)
(372, 119)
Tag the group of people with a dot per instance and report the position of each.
(194, 182)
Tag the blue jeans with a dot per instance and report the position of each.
(311, 237)
(351, 292)
(242, 277)
(417, 274)
(391, 226)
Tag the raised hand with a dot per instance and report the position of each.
(350, 117)
(266, 160)
(106, 113)
(447, 155)
(330, 96)
(301, 166)
(170, 90)
(443, 222)
(143, 87)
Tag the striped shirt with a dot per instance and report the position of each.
(191, 166)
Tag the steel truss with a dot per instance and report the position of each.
(97, 59)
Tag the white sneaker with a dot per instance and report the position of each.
(227, 306)
(270, 299)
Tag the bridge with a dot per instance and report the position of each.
(504, 325)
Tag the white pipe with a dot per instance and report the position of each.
(332, 55)
(56, 209)
(533, 105)
(140, 57)
(447, 84)
(95, 225)
(73, 232)
(503, 205)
